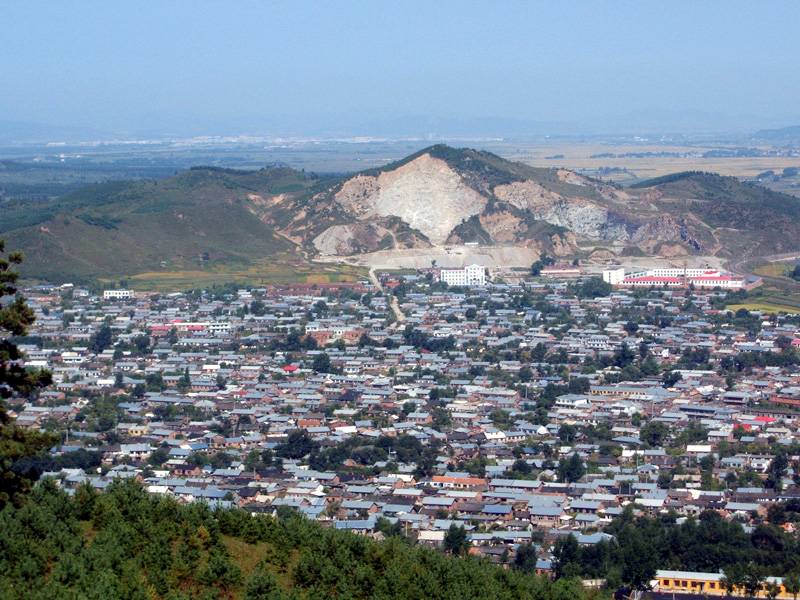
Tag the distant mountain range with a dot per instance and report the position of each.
(437, 197)
(784, 134)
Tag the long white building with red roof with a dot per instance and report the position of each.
(672, 277)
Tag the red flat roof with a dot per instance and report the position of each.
(712, 278)
(653, 280)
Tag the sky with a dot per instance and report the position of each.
(247, 67)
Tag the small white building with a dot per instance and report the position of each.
(468, 275)
(561, 271)
(116, 294)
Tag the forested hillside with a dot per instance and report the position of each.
(126, 543)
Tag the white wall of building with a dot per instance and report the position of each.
(614, 276)
(469, 275)
(116, 294)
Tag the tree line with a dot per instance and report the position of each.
(126, 543)
(708, 544)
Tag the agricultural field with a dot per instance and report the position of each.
(257, 275)
(774, 269)
(765, 307)
(774, 302)
(655, 159)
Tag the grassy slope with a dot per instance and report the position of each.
(767, 307)
(124, 228)
(728, 200)
(771, 220)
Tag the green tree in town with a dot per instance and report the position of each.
(639, 562)
(184, 382)
(776, 472)
(526, 558)
(101, 339)
(158, 457)
(455, 541)
(567, 433)
(566, 557)
(792, 584)
(654, 433)
(754, 578)
(594, 288)
(670, 378)
(322, 363)
(733, 578)
(571, 469)
(297, 445)
(142, 344)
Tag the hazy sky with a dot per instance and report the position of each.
(129, 65)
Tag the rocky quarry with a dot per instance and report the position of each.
(442, 204)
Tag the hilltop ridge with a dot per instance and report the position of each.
(437, 197)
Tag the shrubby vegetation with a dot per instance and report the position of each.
(126, 543)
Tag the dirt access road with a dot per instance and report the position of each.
(444, 256)
(394, 304)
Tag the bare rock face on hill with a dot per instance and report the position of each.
(344, 240)
(564, 245)
(425, 193)
(446, 196)
(588, 219)
(502, 226)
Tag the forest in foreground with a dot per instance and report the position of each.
(126, 543)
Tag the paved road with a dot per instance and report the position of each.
(739, 267)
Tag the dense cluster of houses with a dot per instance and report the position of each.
(206, 389)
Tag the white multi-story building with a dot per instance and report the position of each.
(468, 275)
(614, 276)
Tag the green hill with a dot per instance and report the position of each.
(201, 217)
(771, 218)
(268, 223)
(212, 218)
(125, 543)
